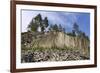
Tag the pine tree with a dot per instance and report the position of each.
(35, 23)
(44, 24)
(60, 28)
(76, 28)
(32, 26)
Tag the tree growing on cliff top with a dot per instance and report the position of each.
(45, 24)
(78, 32)
(54, 27)
(75, 29)
(57, 28)
(32, 26)
(38, 22)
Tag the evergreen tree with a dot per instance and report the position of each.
(60, 28)
(73, 33)
(54, 27)
(32, 26)
(76, 28)
(44, 24)
(38, 20)
(35, 23)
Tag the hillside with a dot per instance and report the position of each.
(53, 46)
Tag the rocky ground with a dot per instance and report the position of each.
(40, 55)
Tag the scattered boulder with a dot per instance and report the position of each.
(52, 55)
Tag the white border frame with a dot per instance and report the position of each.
(20, 65)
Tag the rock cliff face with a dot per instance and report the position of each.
(55, 40)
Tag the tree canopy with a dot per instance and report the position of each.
(37, 22)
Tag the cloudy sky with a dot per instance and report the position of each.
(66, 19)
